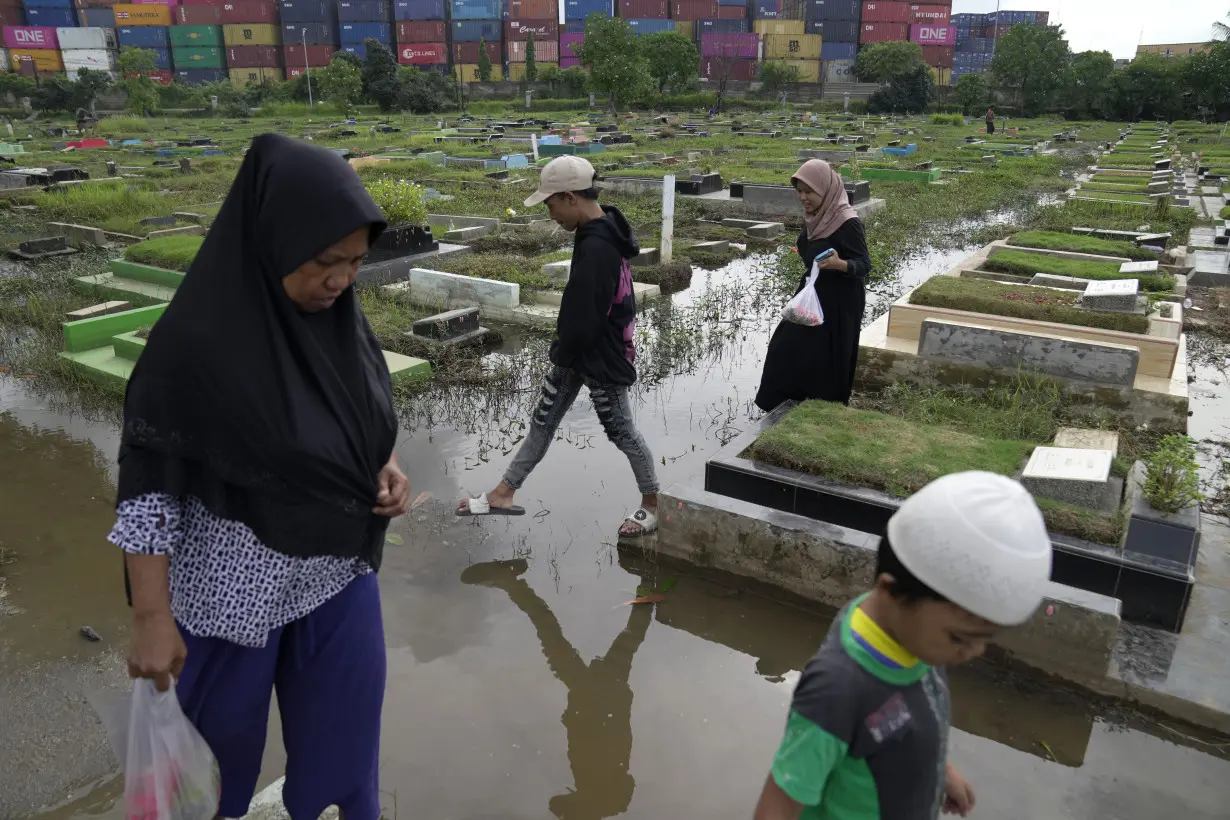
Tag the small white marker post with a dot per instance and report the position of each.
(534, 145)
(666, 247)
(591, 99)
(528, 95)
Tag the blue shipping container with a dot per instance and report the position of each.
(316, 34)
(848, 10)
(766, 9)
(841, 31)
(478, 10)
(144, 36)
(199, 76)
(98, 18)
(419, 10)
(722, 27)
(305, 11)
(733, 3)
(837, 51)
(576, 26)
(471, 31)
(357, 49)
(358, 32)
(357, 11)
(46, 16)
(48, 4)
(162, 58)
(645, 26)
(580, 9)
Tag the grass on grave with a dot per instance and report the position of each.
(1113, 216)
(171, 252)
(1117, 196)
(520, 270)
(1021, 302)
(1078, 243)
(100, 205)
(1117, 186)
(1024, 263)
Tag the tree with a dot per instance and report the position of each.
(971, 93)
(484, 62)
(531, 66)
(379, 75)
(135, 65)
(88, 86)
(881, 62)
(1203, 74)
(1087, 85)
(618, 66)
(341, 83)
(421, 92)
(673, 60)
(1221, 31)
(910, 92)
(1031, 61)
(774, 76)
(571, 82)
(1150, 87)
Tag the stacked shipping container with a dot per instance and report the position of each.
(252, 39)
(526, 18)
(94, 48)
(309, 31)
(974, 37)
(421, 33)
(146, 26)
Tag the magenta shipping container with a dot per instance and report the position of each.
(738, 46)
(566, 43)
(30, 37)
(927, 34)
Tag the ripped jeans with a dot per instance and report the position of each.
(614, 411)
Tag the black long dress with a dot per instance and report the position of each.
(819, 362)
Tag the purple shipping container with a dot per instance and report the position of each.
(739, 46)
(566, 43)
(932, 34)
(569, 62)
(42, 37)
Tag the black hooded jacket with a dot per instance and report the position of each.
(597, 314)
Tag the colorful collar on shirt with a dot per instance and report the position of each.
(875, 651)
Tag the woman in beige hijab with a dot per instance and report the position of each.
(818, 362)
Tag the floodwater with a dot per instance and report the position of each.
(520, 685)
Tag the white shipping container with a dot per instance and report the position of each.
(839, 71)
(5, 65)
(87, 37)
(95, 59)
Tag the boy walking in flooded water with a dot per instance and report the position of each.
(867, 733)
(593, 344)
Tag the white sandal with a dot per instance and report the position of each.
(643, 518)
(481, 506)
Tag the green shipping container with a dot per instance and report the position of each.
(198, 58)
(195, 36)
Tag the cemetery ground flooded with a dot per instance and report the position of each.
(519, 686)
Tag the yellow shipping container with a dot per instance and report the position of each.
(44, 59)
(687, 28)
(809, 70)
(942, 76)
(792, 47)
(516, 71)
(251, 34)
(764, 27)
(469, 73)
(132, 14)
(241, 77)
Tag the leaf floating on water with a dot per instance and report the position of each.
(393, 538)
(645, 599)
(420, 500)
(668, 584)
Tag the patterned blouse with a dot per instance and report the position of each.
(224, 582)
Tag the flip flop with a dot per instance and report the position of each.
(643, 518)
(480, 506)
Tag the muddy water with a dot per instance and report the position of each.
(520, 686)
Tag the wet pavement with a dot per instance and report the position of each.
(520, 686)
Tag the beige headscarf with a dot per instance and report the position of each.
(835, 206)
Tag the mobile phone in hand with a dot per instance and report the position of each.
(825, 255)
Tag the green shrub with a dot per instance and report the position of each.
(1079, 243)
(123, 126)
(1225, 212)
(172, 252)
(401, 201)
(1172, 480)
(947, 119)
(1024, 263)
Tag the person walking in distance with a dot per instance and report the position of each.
(593, 344)
(990, 120)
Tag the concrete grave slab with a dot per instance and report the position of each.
(186, 230)
(558, 271)
(447, 325)
(79, 235)
(712, 247)
(427, 287)
(1113, 295)
(766, 230)
(101, 309)
(647, 256)
(1143, 266)
(1053, 280)
(1079, 438)
(465, 234)
(1073, 476)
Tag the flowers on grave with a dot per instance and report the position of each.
(510, 212)
(401, 201)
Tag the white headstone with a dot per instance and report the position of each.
(591, 99)
(1113, 287)
(534, 145)
(528, 95)
(667, 243)
(1068, 464)
(1148, 266)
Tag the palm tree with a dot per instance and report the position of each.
(1221, 31)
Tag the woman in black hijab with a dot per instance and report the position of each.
(257, 479)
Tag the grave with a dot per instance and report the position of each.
(1114, 295)
(1073, 476)
(32, 249)
(718, 246)
(455, 328)
(1054, 280)
(1144, 266)
(766, 230)
(647, 256)
(101, 309)
(79, 235)
(1078, 438)
(465, 234)
(558, 271)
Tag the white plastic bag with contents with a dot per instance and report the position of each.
(804, 308)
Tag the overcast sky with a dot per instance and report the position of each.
(1117, 25)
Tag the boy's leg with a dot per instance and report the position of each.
(615, 412)
(559, 391)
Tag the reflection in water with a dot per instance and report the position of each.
(598, 718)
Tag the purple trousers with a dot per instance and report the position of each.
(329, 671)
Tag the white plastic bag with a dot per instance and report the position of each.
(169, 771)
(804, 308)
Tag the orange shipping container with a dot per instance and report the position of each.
(42, 59)
(130, 14)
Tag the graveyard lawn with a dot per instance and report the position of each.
(171, 252)
(1023, 263)
(1022, 302)
(1117, 186)
(1116, 196)
(1052, 240)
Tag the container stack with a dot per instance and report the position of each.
(931, 27)
(52, 13)
(420, 29)
(252, 40)
(884, 21)
(91, 13)
(147, 27)
(197, 51)
(974, 37)
(786, 41)
(88, 47)
(531, 18)
(476, 22)
(575, 12)
(837, 23)
(33, 50)
(362, 20)
(309, 30)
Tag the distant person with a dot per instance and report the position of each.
(990, 120)
(257, 479)
(593, 344)
(806, 362)
(867, 732)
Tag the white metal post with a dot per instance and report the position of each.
(307, 68)
(666, 247)
(534, 145)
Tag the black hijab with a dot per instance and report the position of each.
(269, 416)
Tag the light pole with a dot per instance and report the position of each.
(307, 68)
(995, 40)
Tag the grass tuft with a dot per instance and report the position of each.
(1077, 243)
(171, 252)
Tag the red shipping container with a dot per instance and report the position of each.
(647, 9)
(11, 16)
(522, 29)
(930, 14)
(545, 52)
(160, 76)
(196, 15)
(422, 31)
(715, 69)
(467, 53)
(249, 11)
(531, 9)
(939, 56)
(202, 2)
(732, 13)
(423, 54)
(253, 57)
(1042, 18)
(694, 9)
(883, 32)
(885, 11)
(316, 55)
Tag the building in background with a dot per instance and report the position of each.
(1173, 49)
